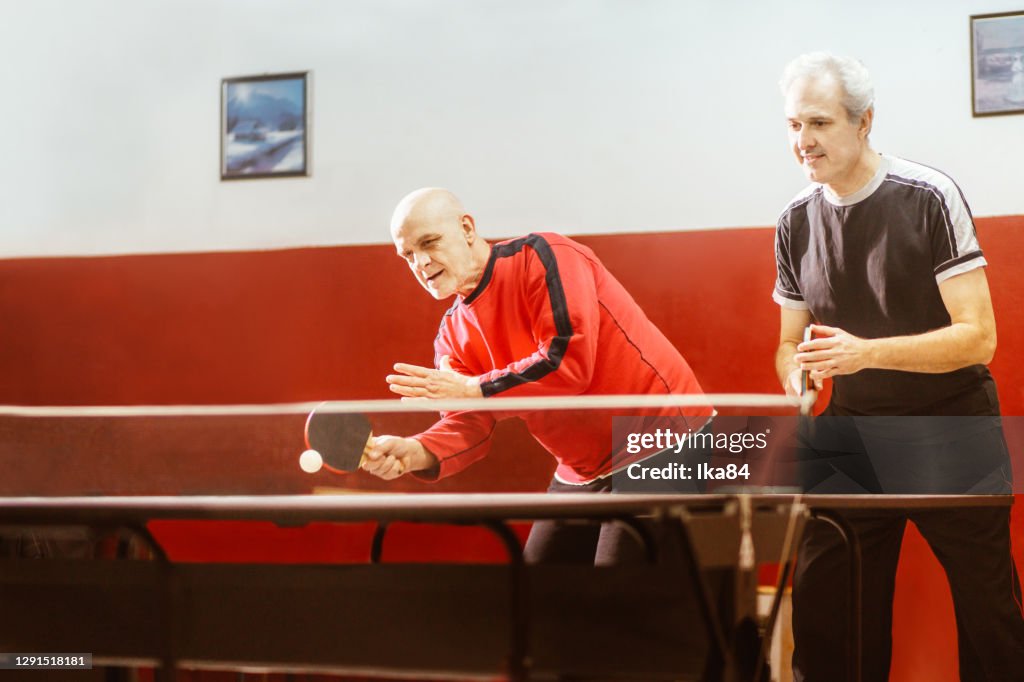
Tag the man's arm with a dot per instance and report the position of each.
(791, 333)
(453, 443)
(970, 338)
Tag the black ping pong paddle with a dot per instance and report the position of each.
(341, 438)
(808, 394)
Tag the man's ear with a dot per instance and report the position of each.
(866, 120)
(468, 228)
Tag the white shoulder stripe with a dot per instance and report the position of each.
(956, 214)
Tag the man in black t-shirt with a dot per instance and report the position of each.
(880, 257)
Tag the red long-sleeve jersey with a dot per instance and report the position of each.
(549, 319)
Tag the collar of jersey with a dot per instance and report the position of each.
(864, 192)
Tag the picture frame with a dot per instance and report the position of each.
(264, 126)
(997, 64)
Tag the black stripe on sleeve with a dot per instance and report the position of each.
(559, 309)
(957, 261)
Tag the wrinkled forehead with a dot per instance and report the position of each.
(407, 233)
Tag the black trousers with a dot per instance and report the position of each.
(554, 542)
(610, 543)
(973, 546)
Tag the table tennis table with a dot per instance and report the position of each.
(451, 621)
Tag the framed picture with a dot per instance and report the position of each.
(997, 63)
(264, 126)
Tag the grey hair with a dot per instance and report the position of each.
(853, 77)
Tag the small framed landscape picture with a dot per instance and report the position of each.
(264, 126)
(997, 63)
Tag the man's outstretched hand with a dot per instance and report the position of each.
(415, 382)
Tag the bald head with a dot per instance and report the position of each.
(437, 238)
(432, 205)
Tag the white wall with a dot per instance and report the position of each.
(574, 115)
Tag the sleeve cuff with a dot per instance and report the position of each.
(960, 269)
(790, 303)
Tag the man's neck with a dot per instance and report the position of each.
(867, 166)
(481, 256)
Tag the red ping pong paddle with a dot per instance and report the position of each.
(341, 438)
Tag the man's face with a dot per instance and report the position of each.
(827, 145)
(439, 254)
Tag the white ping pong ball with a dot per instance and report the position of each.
(310, 461)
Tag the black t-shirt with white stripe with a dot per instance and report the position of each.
(871, 263)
